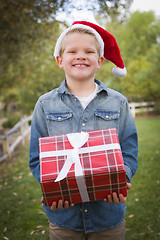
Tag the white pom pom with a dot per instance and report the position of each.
(119, 72)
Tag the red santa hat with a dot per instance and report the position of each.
(108, 45)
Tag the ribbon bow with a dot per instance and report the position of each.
(77, 140)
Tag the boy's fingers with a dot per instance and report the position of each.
(60, 204)
(66, 204)
(115, 198)
(110, 200)
(122, 199)
(54, 206)
(129, 185)
(42, 200)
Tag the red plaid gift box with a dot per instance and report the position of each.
(81, 167)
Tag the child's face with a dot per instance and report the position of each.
(80, 59)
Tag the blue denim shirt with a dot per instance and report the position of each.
(60, 112)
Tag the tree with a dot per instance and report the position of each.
(21, 26)
(39, 72)
(28, 31)
(148, 80)
(114, 9)
(20, 18)
(139, 43)
(139, 34)
(19, 22)
(35, 72)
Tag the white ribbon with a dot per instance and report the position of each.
(77, 140)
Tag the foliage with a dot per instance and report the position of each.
(28, 35)
(157, 107)
(39, 72)
(110, 9)
(139, 34)
(114, 10)
(20, 208)
(28, 31)
(35, 71)
(20, 20)
(20, 29)
(138, 41)
(13, 118)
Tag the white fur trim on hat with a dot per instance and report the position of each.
(61, 37)
(119, 72)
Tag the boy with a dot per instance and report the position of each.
(83, 103)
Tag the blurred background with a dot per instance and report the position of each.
(28, 33)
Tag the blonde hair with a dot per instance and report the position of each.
(82, 31)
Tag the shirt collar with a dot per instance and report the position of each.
(102, 86)
(63, 88)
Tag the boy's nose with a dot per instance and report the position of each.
(80, 57)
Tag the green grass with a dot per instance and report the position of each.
(21, 215)
(143, 202)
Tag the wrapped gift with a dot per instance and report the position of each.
(81, 167)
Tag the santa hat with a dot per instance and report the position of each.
(108, 45)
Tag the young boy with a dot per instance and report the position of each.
(83, 103)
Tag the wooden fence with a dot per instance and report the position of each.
(141, 107)
(18, 134)
(21, 130)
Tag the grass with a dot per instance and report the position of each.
(21, 215)
(143, 203)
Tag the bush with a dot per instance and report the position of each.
(157, 107)
(11, 121)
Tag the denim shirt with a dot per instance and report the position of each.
(60, 112)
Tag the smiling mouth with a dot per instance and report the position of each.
(80, 65)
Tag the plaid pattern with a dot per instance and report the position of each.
(104, 171)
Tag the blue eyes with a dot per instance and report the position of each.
(88, 52)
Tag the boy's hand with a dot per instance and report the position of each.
(60, 205)
(117, 199)
(110, 199)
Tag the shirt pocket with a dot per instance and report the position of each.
(106, 119)
(59, 123)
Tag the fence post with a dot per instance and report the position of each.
(9, 143)
(5, 147)
(22, 130)
(23, 127)
(133, 109)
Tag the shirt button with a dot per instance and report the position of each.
(59, 118)
(86, 210)
(83, 124)
(107, 116)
